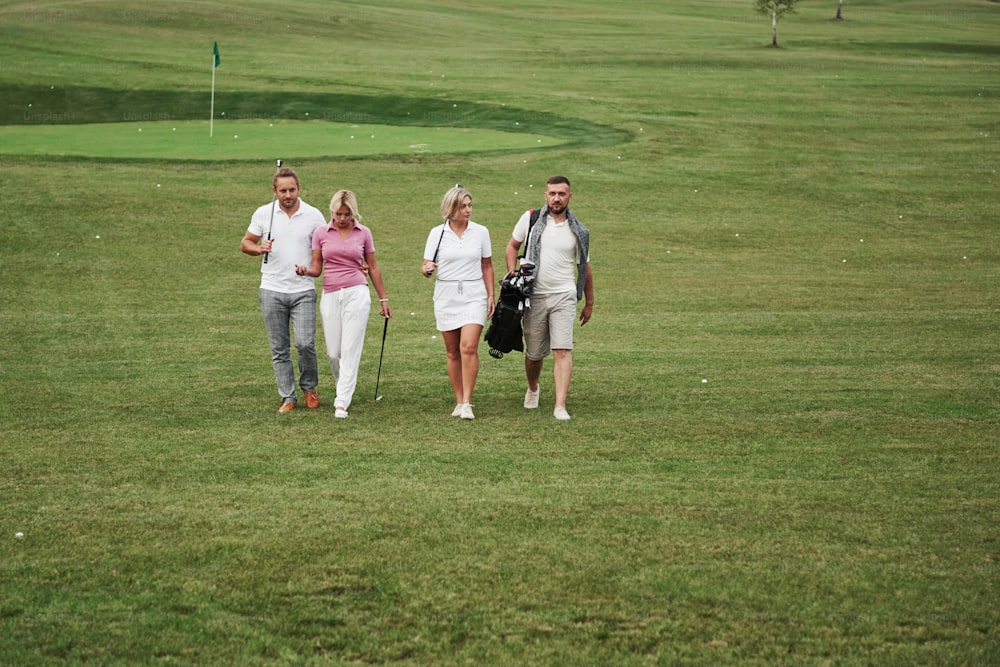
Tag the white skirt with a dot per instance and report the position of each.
(459, 302)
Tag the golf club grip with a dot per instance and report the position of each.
(436, 251)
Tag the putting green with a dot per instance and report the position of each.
(254, 140)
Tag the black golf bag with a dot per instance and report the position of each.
(504, 333)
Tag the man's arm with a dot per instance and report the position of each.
(510, 255)
(588, 295)
(251, 245)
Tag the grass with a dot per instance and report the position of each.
(810, 229)
(102, 122)
(253, 140)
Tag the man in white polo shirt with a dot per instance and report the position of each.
(559, 247)
(283, 235)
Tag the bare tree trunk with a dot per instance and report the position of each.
(774, 27)
(840, 6)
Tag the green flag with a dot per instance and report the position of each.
(215, 50)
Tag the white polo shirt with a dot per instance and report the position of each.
(460, 257)
(559, 255)
(292, 239)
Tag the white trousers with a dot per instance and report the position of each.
(345, 317)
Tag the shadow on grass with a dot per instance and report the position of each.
(933, 47)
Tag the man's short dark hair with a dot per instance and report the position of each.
(285, 172)
(558, 179)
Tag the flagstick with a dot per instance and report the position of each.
(211, 120)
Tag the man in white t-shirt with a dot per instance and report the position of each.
(559, 247)
(287, 298)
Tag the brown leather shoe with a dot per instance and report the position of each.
(287, 406)
(312, 400)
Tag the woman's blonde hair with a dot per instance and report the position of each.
(452, 200)
(345, 198)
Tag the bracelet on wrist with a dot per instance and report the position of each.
(383, 300)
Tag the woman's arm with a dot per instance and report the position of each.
(317, 266)
(488, 277)
(376, 275)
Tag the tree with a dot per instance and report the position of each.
(776, 8)
(840, 7)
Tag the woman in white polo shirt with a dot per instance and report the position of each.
(460, 251)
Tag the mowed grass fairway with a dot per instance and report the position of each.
(249, 140)
(784, 444)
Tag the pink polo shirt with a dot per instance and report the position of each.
(342, 258)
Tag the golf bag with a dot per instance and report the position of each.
(504, 333)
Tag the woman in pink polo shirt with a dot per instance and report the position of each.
(344, 253)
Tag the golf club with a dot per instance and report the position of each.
(380, 355)
(271, 223)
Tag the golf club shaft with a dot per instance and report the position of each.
(275, 199)
(385, 328)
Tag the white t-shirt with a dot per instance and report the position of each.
(292, 239)
(460, 257)
(559, 255)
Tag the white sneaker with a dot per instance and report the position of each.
(561, 414)
(531, 398)
(467, 411)
(340, 412)
(457, 412)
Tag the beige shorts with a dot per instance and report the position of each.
(548, 324)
